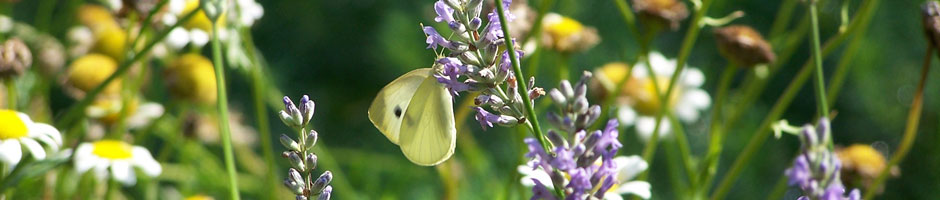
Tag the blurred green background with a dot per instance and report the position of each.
(342, 52)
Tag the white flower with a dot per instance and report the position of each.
(139, 115)
(117, 157)
(627, 169)
(18, 131)
(642, 106)
(248, 12)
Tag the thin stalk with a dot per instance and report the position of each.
(819, 82)
(687, 44)
(758, 138)
(710, 165)
(683, 146)
(222, 108)
(523, 88)
(564, 67)
(779, 188)
(910, 132)
(76, 112)
(261, 112)
(11, 92)
(145, 24)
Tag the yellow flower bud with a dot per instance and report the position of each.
(641, 94)
(97, 18)
(111, 42)
(192, 77)
(91, 70)
(200, 21)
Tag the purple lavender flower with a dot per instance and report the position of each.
(541, 192)
(580, 182)
(564, 159)
(816, 169)
(452, 68)
(799, 174)
(435, 39)
(444, 12)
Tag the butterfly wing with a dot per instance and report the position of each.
(390, 104)
(428, 133)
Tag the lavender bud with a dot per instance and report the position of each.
(296, 117)
(557, 139)
(558, 97)
(592, 139)
(289, 143)
(311, 161)
(301, 197)
(468, 58)
(294, 175)
(325, 194)
(476, 21)
(809, 134)
(306, 108)
(507, 121)
(322, 182)
(287, 119)
(296, 161)
(578, 150)
(475, 6)
(294, 187)
(311, 139)
(566, 89)
(580, 104)
(593, 114)
(505, 109)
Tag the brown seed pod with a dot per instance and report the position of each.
(668, 12)
(931, 20)
(15, 58)
(743, 46)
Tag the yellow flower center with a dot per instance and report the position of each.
(13, 126)
(611, 74)
(192, 77)
(564, 28)
(112, 149)
(111, 108)
(863, 158)
(199, 197)
(643, 97)
(90, 70)
(200, 21)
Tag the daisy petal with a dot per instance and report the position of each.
(145, 161)
(34, 148)
(122, 172)
(628, 167)
(638, 188)
(10, 151)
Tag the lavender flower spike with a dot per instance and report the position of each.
(435, 39)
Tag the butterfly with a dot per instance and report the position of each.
(416, 112)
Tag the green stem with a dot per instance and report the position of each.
(819, 82)
(44, 14)
(261, 112)
(222, 108)
(710, 166)
(76, 112)
(564, 66)
(910, 132)
(522, 87)
(11, 92)
(779, 188)
(147, 21)
(687, 44)
(758, 138)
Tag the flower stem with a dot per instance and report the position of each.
(819, 82)
(222, 108)
(532, 119)
(758, 138)
(910, 132)
(717, 132)
(687, 44)
(261, 111)
(520, 79)
(10, 85)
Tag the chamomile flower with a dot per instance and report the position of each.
(627, 167)
(108, 109)
(19, 133)
(192, 77)
(115, 159)
(566, 35)
(89, 71)
(196, 31)
(640, 104)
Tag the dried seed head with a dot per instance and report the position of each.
(15, 58)
(743, 46)
(931, 20)
(665, 12)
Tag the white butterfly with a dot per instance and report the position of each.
(416, 112)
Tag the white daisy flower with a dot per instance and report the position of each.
(19, 133)
(108, 109)
(115, 158)
(627, 169)
(248, 11)
(642, 104)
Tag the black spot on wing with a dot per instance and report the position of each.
(398, 111)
